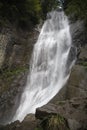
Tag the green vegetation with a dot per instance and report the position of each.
(56, 122)
(48, 5)
(77, 8)
(61, 103)
(27, 12)
(38, 128)
(24, 12)
(83, 63)
(8, 76)
(9, 73)
(20, 11)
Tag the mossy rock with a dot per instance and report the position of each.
(8, 76)
(55, 122)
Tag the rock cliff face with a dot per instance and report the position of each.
(16, 47)
(3, 43)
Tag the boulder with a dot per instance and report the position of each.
(74, 111)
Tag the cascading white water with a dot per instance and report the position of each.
(48, 71)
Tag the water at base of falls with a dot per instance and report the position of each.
(49, 69)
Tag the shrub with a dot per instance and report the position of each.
(20, 10)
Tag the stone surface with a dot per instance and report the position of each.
(3, 43)
(74, 124)
(9, 100)
(63, 115)
(83, 53)
(76, 85)
(29, 123)
(16, 47)
(19, 46)
(75, 111)
(78, 34)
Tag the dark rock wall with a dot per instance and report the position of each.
(19, 45)
(15, 54)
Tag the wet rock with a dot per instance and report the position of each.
(73, 111)
(77, 30)
(83, 54)
(9, 100)
(29, 123)
(73, 124)
(4, 38)
(16, 46)
(79, 38)
(76, 85)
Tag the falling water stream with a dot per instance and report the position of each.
(49, 69)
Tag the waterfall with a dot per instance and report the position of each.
(50, 68)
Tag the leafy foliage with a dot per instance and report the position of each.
(78, 8)
(25, 12)
(48, 5)
(20, 11)
(7, 77)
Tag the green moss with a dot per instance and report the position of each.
(14, 72)
(61, 103)
(38, 129)
(8, 76)
(83, 63)
(54, 122)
